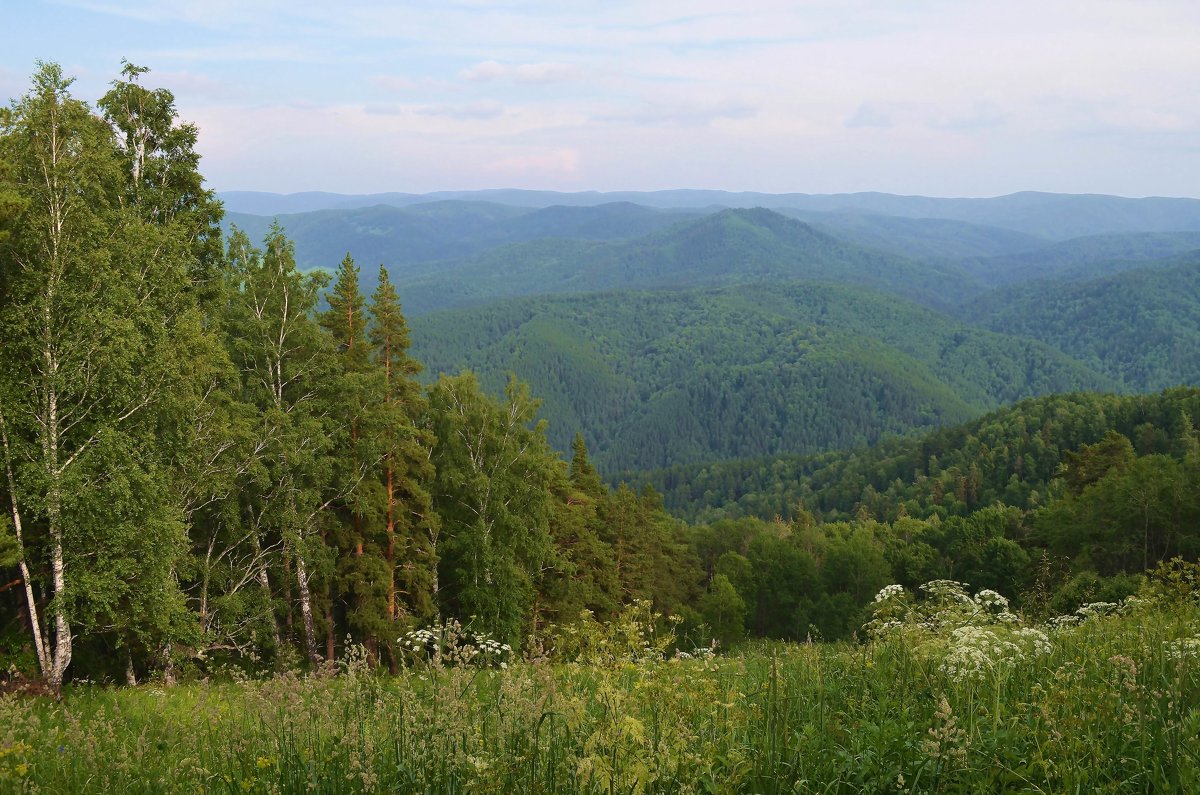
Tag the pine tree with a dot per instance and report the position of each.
(360, 410)
(411, 525)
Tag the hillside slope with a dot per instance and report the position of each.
(1141, 327)
(654, 379)
(403, 237)
(1010, 455)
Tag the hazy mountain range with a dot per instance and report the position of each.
(682, 327)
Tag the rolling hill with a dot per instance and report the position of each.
(1140, 327)
(660, 378)
(1086, 257)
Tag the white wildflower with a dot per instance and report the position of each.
(1182, 648)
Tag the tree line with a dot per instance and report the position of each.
(209, 455)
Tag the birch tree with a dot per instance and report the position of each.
(493, 492)
(95, 302)
(286, 363)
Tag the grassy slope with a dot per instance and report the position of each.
(1104, 707)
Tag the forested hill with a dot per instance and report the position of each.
(729, 247)
(1011, 456)
(1141, 328)
(660, 378)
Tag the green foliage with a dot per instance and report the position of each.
(724, 612)
(493, 494)
(1011, 456)
(637, 635)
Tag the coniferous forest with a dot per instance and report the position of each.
(616, 438)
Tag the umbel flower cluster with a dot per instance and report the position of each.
(969, 637)
(449, 643)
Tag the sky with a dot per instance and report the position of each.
(930, 97)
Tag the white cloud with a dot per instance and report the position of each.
(475, 111)
(546, 72)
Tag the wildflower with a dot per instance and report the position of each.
(1064, 622)
(1096, 609)
(1182, 648)
(889, 592)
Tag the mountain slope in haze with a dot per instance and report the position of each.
(920, 238)
(1055, 216)
(1141, 327)
(653, 379)
(1086, 257)
(728, 247)
(401, 237)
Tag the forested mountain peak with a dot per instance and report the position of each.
(727, 247)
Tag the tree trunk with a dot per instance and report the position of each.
(306, 615)
(330, 639)
(39, 642)
(391, 541)
(265, 582)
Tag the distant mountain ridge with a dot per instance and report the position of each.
(434, 231)
(727, 247)
(1052, 215)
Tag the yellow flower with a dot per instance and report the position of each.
(21, 769)
(264, 763)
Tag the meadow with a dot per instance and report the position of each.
(945, 692)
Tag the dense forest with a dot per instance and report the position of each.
(212, 456)
(686, 376)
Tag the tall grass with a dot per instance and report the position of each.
(1113, 706)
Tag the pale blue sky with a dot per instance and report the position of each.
(936, 97)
